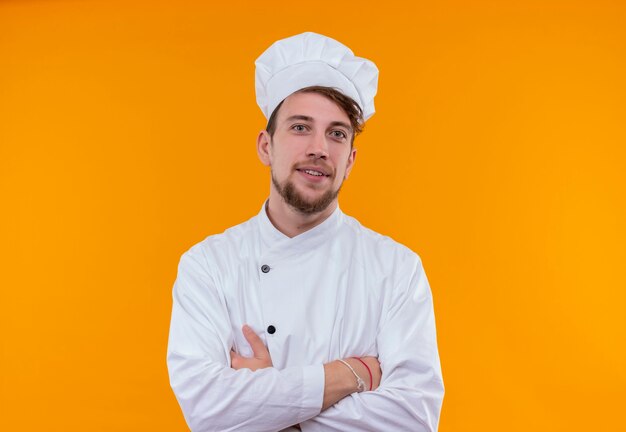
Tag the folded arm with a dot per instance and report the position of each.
(411, 390)
(339, 375)
(248, 396)
(212, 395)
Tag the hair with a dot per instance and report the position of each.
(346, 103)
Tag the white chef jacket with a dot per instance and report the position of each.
(338, 290)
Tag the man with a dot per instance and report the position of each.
(301, 317)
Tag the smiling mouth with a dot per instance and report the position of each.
(313, 172)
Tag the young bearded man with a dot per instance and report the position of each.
(301, 318)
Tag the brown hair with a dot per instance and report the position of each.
(346, 103)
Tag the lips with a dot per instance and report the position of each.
(314, 171)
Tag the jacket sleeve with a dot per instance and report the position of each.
(213, 396)
(411, 390)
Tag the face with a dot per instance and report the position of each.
(310, 154)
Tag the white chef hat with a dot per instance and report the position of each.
(311, 59)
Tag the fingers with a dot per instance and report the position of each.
(261, 357)
(234, 360)
(257, 345)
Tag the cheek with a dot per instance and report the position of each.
(342, 163)
(280, 165)
(343, 170)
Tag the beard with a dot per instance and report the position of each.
(293, 198)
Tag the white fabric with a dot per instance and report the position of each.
(335, 291)
(310, 59)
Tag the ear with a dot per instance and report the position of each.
(350, 162)
(263, 147)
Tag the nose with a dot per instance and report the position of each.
(318, 147)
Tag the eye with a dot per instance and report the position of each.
(299, 127)
(339, 134)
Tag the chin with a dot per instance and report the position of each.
(303, 198)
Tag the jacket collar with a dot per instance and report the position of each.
(275, 240)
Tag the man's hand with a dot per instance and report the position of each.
(339, 380)
(261, 356)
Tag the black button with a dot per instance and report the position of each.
(265, 268)
(271, 329)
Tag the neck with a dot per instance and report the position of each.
(290, 221)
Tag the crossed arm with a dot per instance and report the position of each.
(251, 394)
(339, 381)
(221, 391)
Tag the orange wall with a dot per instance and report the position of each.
(127, 134)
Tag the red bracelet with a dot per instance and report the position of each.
(368, 371)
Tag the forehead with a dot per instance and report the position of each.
(314, 105)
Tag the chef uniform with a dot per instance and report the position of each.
(335, 291)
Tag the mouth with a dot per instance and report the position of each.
(314, 171)
(313, 175)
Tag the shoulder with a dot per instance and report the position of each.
(390, 265)
(215, 246)
(379, 247)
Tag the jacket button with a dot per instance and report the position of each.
(271, 329)
(265, 268)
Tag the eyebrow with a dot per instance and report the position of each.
(342, 124)
(310, 119)
(300, 117)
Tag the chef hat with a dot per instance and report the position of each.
(311, 59)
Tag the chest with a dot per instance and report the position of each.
(309, 307)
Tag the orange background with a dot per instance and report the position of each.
(127, 134)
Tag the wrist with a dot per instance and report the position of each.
(369, 372)
(359, 380)
(339, 382)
